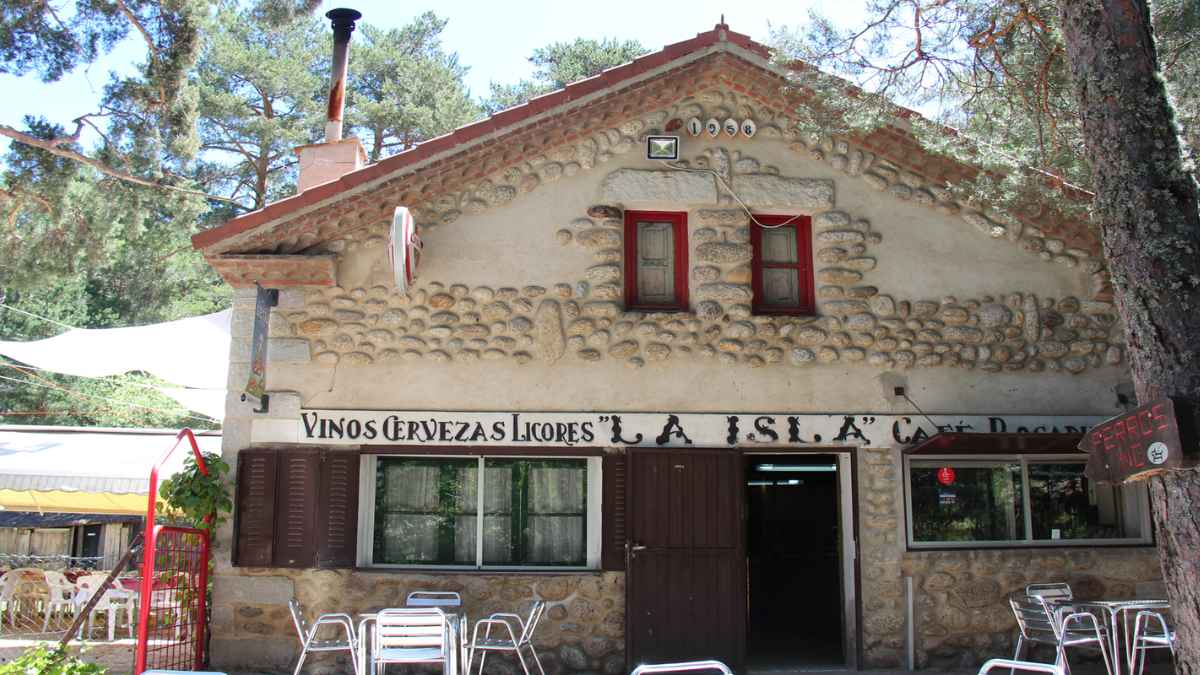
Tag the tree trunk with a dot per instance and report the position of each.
(1146, 206)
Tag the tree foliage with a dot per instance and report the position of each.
(561, 63)
(405, 88)
(994, 70)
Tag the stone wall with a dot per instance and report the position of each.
(962, 616)
(581, 631)
(960, 597)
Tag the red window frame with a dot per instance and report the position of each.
(803, 226)
(678, 220)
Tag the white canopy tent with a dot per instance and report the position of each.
(191, 353)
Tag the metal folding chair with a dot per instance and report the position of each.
(686, 666)
(1150, 631)
(412, 635)
(1038, 622)
(308, 636)
(1030, 666)
(433, 599)
(510, 640)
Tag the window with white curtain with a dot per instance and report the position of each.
(425, 511)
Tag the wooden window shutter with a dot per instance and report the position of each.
(656, 263)
(296, 495)
(337, 513)
(612, 513)
(254, 520)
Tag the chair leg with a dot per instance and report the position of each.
(300, 663)
(524, 666)
(1017, 652)
(536, 659)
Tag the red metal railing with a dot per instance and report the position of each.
(174, 588)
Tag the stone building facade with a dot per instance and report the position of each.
(991, 322)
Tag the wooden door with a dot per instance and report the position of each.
(685, 580)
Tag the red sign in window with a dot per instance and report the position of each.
(945, 475)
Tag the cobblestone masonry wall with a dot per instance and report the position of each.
(962, 615)
(581, 632)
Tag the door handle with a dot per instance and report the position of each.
(634, 547)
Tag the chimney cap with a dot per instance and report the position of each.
(343, 16)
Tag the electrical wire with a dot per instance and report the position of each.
(107, 400)
(728, 188)
(37, 316)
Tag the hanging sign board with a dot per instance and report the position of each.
(265, 299)
(1145, 441)
(404, 249)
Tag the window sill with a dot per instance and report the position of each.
(1056, 546)
(758, 311)
(472, 571)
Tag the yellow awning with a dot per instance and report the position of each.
(62, 501)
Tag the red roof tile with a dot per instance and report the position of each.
(497, 122)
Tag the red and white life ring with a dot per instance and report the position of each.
(404, 249)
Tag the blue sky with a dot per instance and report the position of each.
(493, 38)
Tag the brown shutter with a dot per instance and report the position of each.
(297, 473)
(612, 513)
(254, 519)
(337, 514)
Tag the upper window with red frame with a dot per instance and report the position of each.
(782, 269)
(656, 264)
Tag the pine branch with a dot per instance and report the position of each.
(55, 147)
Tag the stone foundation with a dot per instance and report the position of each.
(582, 630)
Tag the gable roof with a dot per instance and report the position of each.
(272, 244)
(489, 126)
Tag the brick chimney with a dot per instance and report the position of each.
(337, 156)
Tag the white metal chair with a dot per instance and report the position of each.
(412, 635)
(60, 596)
(433, 599)
(1038, 622)
(1150, 631)
(684, 667)
(113, 600)
(1013, 664)
(1054, 592)
(307, 633)
(510, 640)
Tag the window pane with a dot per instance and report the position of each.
(781, 287)
(425, 511)
(656, 263)
(779, 245)
(535, 512)
(977, 503)
(1066, 505)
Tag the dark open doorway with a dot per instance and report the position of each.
(793, 544)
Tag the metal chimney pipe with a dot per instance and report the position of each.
(343, 25)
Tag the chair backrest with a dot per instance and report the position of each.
(412, 628)
(88, 585)
(535, 615)
(298, 618)
(433, 599)
(60, 588)
(1034, 617)
(1055, 591)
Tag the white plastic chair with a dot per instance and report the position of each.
(509, 641)
(433, 599)
(1150, 631)
(412, 635)
(60, 596)
(308, 636)
(113, 600)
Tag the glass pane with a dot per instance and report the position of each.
(779, 245)
(971, 502)
(781, 287)
(1066, 505)
(535, 512)
(425, 511)
(656, 263)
